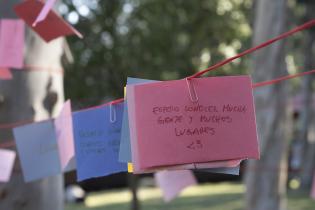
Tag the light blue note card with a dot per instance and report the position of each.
(125, 146)
(38, 151)
(97, 138)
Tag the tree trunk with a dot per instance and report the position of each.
(266, 178)
(133, 182)
(32, 95)
(308, 160)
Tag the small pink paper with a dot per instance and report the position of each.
(44, 12)
(51, 27)
(173, 182)
(169, 128)
(11, 43)
(65, 141)
(7, 158)
(313, 188)
(5, 74)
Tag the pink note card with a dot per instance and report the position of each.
(173, 182)
(11, 43)
(5, 74)
(44, 12)
(65, 140)
(7, 158)
(51, 27)
(205, 120)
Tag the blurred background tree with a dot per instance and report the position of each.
(164, 40)
(153, 39)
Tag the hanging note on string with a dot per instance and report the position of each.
(64, 135)
(51, 27)
(173, 182)
(97, 138)
(11, 43)
(7, 158)
(200, 122)
(38, 151)
(6, 9)
(44, 12)
(125, 147)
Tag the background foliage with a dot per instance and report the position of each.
(152, 39)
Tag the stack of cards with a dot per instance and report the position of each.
(206, 123)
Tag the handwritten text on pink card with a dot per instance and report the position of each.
(220, 126)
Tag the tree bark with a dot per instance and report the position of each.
(133, 182)
(32, 95)
(307, 115)
(266, 178)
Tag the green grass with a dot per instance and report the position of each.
(223, 196)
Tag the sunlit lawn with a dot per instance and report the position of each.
(223, 196)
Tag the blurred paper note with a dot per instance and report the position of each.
(44, 12)
(173, 182)
(65, 141)
(51, 27)
(38, 151)
(7, 158)
(5, 74)
(11, 43)
(97, 138)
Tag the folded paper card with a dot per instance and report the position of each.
(5, 74)
(97, 139)
(64, 135)
(38, 151)
(51, 27)
(199, 120)
(173, 182)
(11, 43)
(7, 158)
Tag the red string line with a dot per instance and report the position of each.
(12, 125)
(23, 122)
(269, 42)
(255, 85)
(43, 68)
(117, 101)
(7, 144)
(274, 81)
(11, 143)
(260, 84)
(39, 68)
